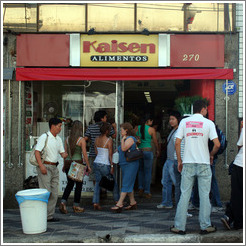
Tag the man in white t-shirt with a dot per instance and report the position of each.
(234, 211)
(196, 130)
(48, 173)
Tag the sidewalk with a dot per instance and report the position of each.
(147, 224)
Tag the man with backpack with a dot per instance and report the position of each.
(215, 194)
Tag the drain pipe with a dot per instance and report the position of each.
(10, 164)
(227, 98)
(19, 128)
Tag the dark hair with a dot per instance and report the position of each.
(76, 132)
(142, 127)
(99, 115)
(176, 114)
(105, 127)
(198, 105)
(54, 121)
(128, 127)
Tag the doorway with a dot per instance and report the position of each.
(156, 98)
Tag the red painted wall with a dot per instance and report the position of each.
(197, 50)
(204, 88)
(42, 50)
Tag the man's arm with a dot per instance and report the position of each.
(40, 164)
(214, 150)
(178, 152)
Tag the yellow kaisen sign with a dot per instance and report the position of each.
(119, 50)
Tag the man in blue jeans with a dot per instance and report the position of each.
(196, 130)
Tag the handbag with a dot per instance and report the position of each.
(76, 171)
(132, 155)
(43, 154)
(107, 182)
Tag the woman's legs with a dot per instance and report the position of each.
(148, 161)
(77, 193)
(132, 198)
(98, 176)
(68, 189)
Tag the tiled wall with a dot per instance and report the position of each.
(240, 28)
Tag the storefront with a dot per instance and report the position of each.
(72, 76)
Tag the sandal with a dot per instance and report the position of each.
(63, 208)
(117, 209)
(78, 209)
(131, 207)
(177, 231)
(97, 206)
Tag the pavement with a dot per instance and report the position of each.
(147, 225)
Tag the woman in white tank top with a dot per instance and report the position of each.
(103, 165)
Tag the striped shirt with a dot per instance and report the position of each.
(92, 132)
(181, 149)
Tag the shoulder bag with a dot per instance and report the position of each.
(133, 155)
(43, 153)
(76, 171)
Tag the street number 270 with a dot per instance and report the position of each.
(190, 57)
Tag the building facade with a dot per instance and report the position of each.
(127, 61)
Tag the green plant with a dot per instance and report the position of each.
(183, 104)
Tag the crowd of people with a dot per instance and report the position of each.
(188, 168)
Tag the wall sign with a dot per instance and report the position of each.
(119, 51)
(197, 50)
(232, 87)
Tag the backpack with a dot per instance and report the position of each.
(223, 141)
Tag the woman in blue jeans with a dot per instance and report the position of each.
(103, 165)
(168, 175)
(129, 169)
(146, 134)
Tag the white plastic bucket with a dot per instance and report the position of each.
(33, 210)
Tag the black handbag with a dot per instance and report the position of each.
(132, 155)
(107, 182)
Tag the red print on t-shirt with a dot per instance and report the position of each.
(194, 124)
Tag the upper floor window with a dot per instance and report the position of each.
(118, 17)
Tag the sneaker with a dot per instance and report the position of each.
(163, 206)
(177, 231)
(189, 215)
(208, 230)
(226, 222)
(216, 209)
(192, 207)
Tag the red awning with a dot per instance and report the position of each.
(24, 74)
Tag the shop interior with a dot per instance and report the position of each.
(156, 98)
(79, 100)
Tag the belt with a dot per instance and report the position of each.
(79, 161)
(146, 149)
(50, 163)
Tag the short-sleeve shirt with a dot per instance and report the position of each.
(196, 130)
(171, 145)
(92, 132)
(181, 149)
(54, 146)
(239, 157)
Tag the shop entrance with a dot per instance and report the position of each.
(161, 100)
